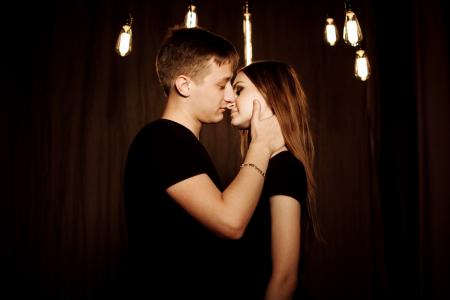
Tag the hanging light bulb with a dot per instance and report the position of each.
(247, 36)
(191, 17)
(331, 33)
(352, 31)
(125, 39)
(362, 66)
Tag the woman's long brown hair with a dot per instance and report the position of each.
(279, 84)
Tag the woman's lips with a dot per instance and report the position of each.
(233, 112)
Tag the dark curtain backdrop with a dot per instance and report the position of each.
(383, 148)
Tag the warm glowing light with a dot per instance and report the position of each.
(352, 30)
(191, 17)
(362, 66)
(124, 41)
(331, 34)
(247, 36)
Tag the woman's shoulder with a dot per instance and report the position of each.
(286, 176)
(285, 167)
(286, 160)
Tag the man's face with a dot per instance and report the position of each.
(209, 94)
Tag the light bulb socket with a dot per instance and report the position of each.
(360, 52)
(362, 45)
(129, 21)
(245, 8)
(329, 15)
(347, 5)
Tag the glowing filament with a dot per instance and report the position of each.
(362, 66)
(191, 17)
(331, 35)
(352, 30)
(124, 45)
(247, 38)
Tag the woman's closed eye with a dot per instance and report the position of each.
(237, 90)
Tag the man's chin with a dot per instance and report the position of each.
(217, 119)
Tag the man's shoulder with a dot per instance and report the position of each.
(157, 128)
(164, 126)
(163, 134)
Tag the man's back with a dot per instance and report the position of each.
(180, 255)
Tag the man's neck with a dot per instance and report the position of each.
(177, 113)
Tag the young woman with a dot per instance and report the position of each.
(269, 251)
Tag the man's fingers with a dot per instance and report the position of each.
(256, 110)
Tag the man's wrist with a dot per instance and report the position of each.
(260, 147)
(254, 167)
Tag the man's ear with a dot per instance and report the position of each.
(182, 86)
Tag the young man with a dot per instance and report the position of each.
(178, 218)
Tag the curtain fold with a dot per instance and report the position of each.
(433, 110)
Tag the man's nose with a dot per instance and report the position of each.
(229, 93)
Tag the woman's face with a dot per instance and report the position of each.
(242, 107)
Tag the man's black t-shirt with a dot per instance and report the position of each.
(171, 254)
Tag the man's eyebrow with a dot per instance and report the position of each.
(225, 79)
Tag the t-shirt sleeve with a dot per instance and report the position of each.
(287, 177)
(176, 159)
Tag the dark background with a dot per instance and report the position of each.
(383, 148)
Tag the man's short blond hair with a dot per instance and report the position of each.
(188, 51)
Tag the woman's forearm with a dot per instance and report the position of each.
(281, 288)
